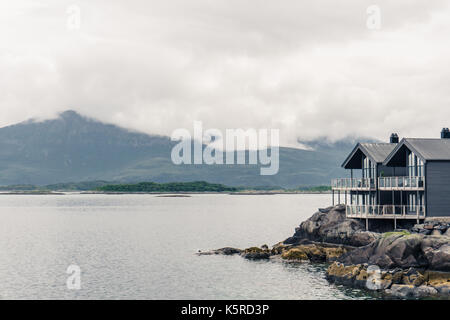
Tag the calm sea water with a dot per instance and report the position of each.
(143, 247)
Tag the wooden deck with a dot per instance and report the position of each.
(385, 212)
(383, 183)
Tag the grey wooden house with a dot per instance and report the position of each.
(407, 179)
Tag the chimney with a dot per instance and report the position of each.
(445, 133)
(394, 138)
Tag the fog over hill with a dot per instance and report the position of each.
(74, 148)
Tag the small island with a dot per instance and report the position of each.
(203, 187)
(153, 187)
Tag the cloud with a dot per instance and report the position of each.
(312, 69)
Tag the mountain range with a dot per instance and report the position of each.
(75, 148)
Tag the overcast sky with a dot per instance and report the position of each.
(310, 68)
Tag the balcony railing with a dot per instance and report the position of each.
(385, 211)
(401, 183)
(355, 184)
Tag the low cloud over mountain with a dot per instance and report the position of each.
(75, 148)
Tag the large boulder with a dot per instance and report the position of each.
(410, 291)
(433, 226)
(395, 250)
(255, 253)
(400, 250)
(353, 275)
(331, 225)
(409, 283)
(435, 232)
(437, 278)
(437, 251)
(295, 254)
(363, 238)
(313, 253)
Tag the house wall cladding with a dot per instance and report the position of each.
(438, 188)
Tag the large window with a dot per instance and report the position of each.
(368, 170)
(363, 199)
(414, 165)
(414, 200)
(369, 199)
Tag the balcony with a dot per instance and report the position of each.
(385, 211)
(401, 183)
(353, 184)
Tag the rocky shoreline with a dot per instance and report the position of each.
(413, 262)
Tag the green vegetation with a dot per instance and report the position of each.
(196, 186)
(119, 186)
(69, 186)
(402, 233)
(253, 250)
(294, 254)
(19, 187)
(315, 188)
(77, 186)
(262, 188)
(299, 189)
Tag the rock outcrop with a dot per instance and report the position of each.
(400, 250)
(255, 253)
(331, 226)
(400, 283)
(435, 227)
(224, 251)
(411, 263)
(410, 291)
(312, 252)
(437, 252)
(304, 252)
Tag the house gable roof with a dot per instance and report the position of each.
(376, 152)
(426, 149)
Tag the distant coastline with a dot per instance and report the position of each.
(193, 187)
(236, 193)
(37, 193)
(166, 194)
